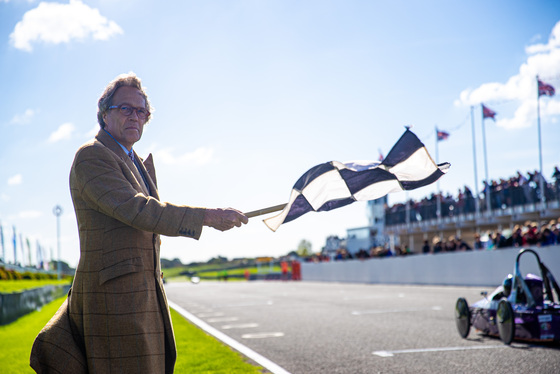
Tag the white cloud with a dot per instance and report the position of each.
(63, 132)
(30, 214)
(57, 23)
(200, 156)
(15, 180)
(544, 61)
(26, 117)
(91, 133)
(553, 42)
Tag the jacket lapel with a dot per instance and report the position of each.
(150, 171)
(147, 167)
(110, 143)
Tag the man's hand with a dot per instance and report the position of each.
(224, 219)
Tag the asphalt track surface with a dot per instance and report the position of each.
(312, 327)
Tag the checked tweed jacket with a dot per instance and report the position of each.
(117, 314)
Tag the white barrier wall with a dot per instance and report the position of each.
(472, 268)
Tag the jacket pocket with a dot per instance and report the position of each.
(132, 265)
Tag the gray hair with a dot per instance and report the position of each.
(106, 99)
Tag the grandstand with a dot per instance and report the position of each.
(515, 202)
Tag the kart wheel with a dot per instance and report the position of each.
(462, 317)
(506, 321)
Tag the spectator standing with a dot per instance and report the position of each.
(426, 247)
(556, 177)
(438, 245)
(478, 244)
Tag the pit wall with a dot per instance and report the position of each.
(472, 268)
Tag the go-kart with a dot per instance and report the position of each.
(522, 308)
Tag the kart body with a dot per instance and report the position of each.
(528, 310)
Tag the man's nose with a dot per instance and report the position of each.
(134, 114)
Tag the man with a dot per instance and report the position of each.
(116, 319)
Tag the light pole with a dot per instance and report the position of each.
(57, 211)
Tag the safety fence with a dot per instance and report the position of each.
(469, 268)
(17, 304)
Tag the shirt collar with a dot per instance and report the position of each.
(122, 146)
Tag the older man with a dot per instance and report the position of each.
(116, 319)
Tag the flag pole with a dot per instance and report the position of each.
(2, 243)
(260, 212)
(541, 181)
(476, 201)
(14, 241)
(488, 205)
(438, 200)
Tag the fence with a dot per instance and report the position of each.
(470, 268)
(17, 304)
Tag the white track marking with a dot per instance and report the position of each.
(368, 297)
(443, 349)
(401, 310)
(206, 315)
(263, 335)
(235, 305)
(240, 326)
(261, 360)
(222, 319)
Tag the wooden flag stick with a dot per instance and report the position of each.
(270, 209)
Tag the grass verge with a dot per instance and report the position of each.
(17, 338)
(9, 286)
(174, 274)
(197, 351)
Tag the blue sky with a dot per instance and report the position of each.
(251, 94)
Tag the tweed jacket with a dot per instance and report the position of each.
(117, 309)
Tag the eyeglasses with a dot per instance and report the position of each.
(126, 110)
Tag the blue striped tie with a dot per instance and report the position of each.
(131, 155)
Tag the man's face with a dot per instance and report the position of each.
(127, 130)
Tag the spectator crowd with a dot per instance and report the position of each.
(515, 191)
(505, 193)
(526, 235)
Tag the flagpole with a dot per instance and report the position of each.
(2, 243)
(28, 252)
(22, 250)
(476, 201)
(488, 205)
(541, 182)
(438, 200)
(260, 212)
(57, 211)
(14, 241)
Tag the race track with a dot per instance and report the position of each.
(312, 327)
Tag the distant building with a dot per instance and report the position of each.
(372, 235)
(333, 244)
(359, 238)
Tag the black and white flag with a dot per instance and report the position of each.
(335, 184)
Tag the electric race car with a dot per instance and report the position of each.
(522, 308)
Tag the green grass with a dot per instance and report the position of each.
(9, 286)
(197, 351)
(17, 338)
(173, 274)
(252, 270)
